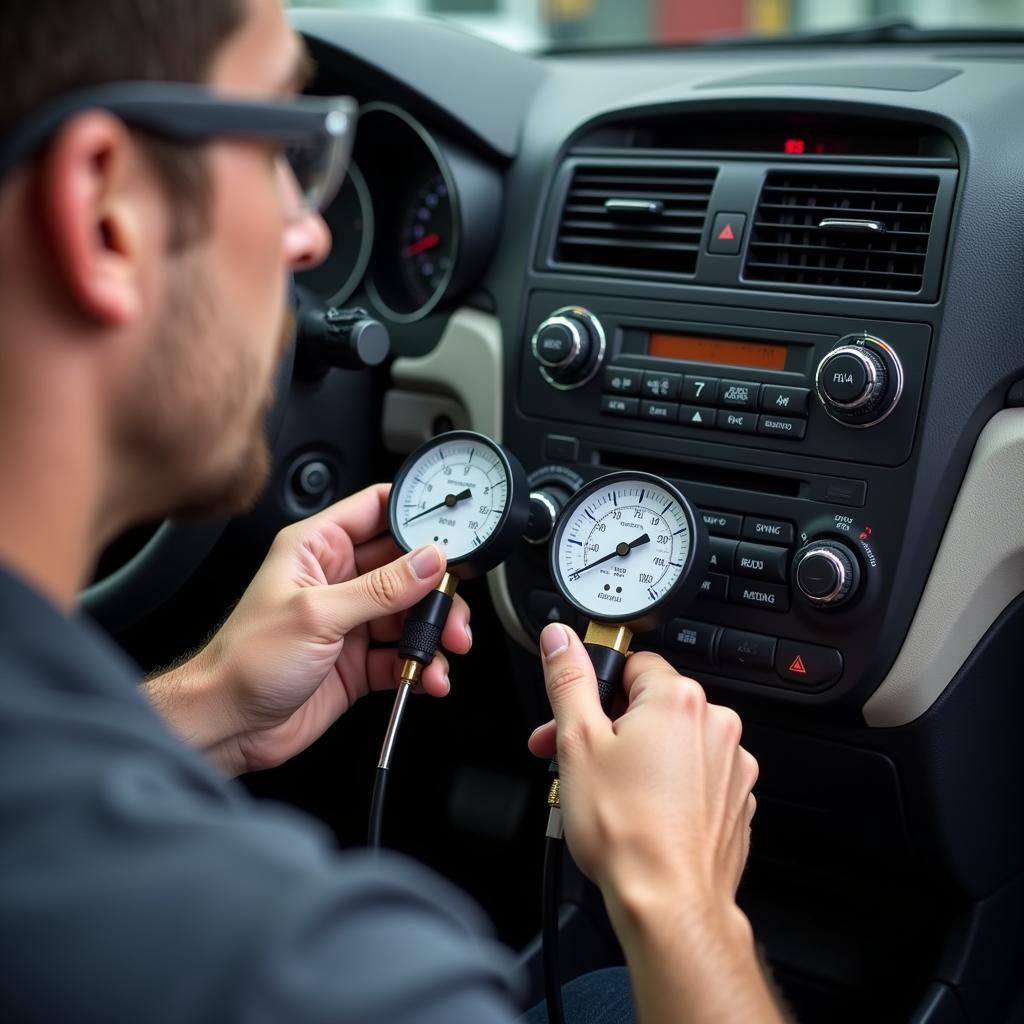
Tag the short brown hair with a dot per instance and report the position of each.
(52, 47)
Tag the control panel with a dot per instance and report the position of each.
(787, 432)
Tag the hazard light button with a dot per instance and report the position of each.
(727, 233)
(807, 664)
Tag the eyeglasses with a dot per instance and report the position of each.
(315, 132)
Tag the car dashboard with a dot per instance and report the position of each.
(790, 280)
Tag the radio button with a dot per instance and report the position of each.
(739, 394)
(696, 416)
(760, 562)
(725, 524)
(756, 528)
(700, 390)
(785, 401)
(689, 639)
(773, 597)
(621, 380)
(664, 386)
(780, 426)
(714, 587)
(667, 412)
(742, 422)
(612, 405)
(722, 551)
(746, 650)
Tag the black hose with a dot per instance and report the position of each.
(549, 914)
(380, 788)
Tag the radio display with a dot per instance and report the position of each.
(753, 355)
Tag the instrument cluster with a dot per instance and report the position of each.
(413, 224)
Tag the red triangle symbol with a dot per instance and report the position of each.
(726, 235)
(797, 665)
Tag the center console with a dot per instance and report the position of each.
(787, 430)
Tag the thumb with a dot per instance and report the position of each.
(571, 683)
(389, 588)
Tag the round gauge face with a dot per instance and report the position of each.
(350, 218)
(623, 547)
(453, 492)
(425, 240)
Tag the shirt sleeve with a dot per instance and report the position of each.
(131, 894)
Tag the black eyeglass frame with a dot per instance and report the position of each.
(188, 113)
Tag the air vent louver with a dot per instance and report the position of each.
(638, 217)
(880, 242)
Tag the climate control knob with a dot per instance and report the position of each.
(826, 573)
(545, 505)
(569, 346)
(860, 381)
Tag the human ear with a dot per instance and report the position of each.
(92, 216)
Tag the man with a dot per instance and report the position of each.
(146, 237)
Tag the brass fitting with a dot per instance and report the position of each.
(411, 672)
(449, 583)
(553, 800)
(606, 634)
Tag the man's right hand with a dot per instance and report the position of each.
(657, 808)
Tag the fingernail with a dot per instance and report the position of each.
(553, 639)
(447, 685)
(469, 635)
(426, 562)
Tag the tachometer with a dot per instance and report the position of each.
(350, 218)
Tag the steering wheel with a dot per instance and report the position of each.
(175, 550)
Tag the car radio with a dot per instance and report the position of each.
(787, 430)
(814, 385)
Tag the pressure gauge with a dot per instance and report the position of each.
(628, 549)
(466, 494)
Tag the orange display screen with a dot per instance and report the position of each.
(718, 351)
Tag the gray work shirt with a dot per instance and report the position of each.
(137, 885)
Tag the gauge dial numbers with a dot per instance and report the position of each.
(425, 239)
(464, 493)
(625, 548)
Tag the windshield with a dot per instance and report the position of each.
(585, 24)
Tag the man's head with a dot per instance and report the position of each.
(147, 278)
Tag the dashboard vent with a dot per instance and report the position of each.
(637, 217)
(850, 231)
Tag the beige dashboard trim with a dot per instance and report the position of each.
(468, 365)
(978, 571)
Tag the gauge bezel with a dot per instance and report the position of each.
(510, 527)
(681, 592)
(358, 272)
(441, 165)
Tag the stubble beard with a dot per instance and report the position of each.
(198, 384)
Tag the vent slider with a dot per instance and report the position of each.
(652, 206)
(865, 227)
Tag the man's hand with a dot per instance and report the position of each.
(657, 808)
(295, 653)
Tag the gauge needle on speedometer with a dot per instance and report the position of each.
(621, 550)
(425, 243)
(450, 501)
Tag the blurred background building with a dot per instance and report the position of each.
(533, 24)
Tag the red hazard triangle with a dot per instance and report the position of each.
(726, 235)
(797, 665)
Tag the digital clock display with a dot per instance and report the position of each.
(753, 355)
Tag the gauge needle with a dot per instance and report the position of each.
(425, 243)
(621, 550)
(450, 501)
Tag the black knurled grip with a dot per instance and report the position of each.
(423, 625)
(608, 665)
